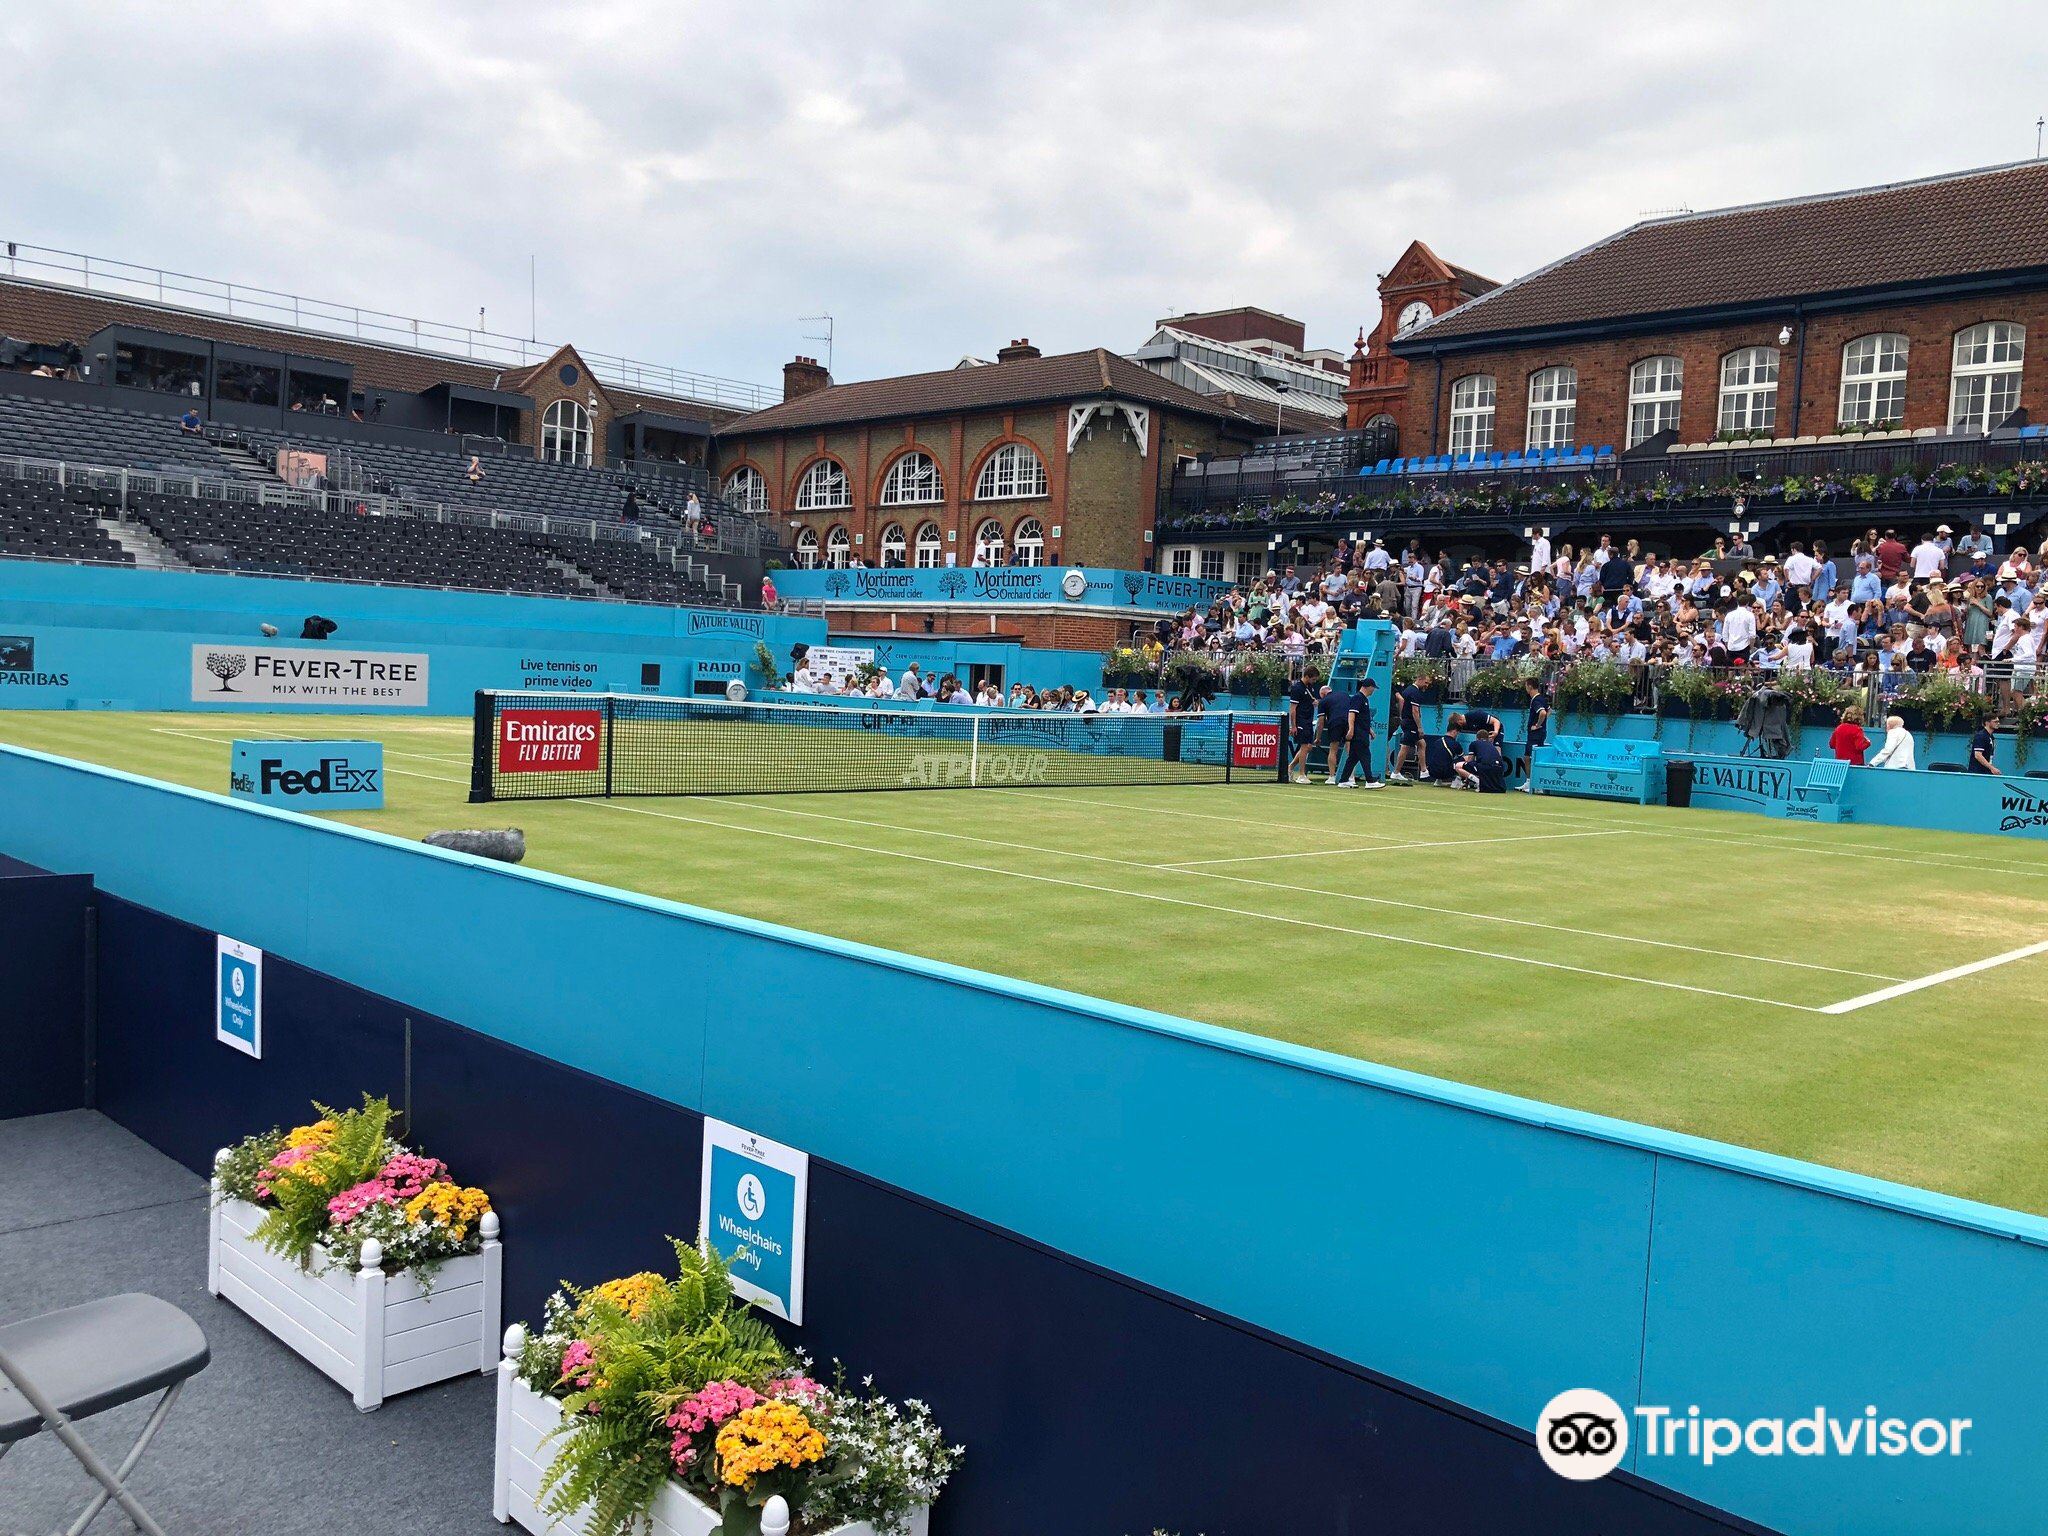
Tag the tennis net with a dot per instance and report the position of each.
(529, 747)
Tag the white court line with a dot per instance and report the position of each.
(1272, 885)
(1455, 842)
(1931, 859)
(1180, 901)
(1850, 1005)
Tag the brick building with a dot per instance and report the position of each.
(1907, 305)
(1032, 460)
(1417, 288)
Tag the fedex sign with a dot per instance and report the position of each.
(550, 740)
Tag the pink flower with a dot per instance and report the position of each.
(576, 1364)
(358, 1198)
(796, 1388)
(711, 1405)
(408, 1173)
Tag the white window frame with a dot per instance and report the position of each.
(894, 543)
(1553, 407)
(1213, 563)
(1985, 374)
(930, 551)
(1748, 400)
(746, 488)
(1474, 400)
(1012, 473)
(824, 488)
(1029, 541)
(565, 435)
(1873, 379)
(1656, 389)
(994, 545)
(913, 481)
(838, 547)
(1180, 560)
(807, 548)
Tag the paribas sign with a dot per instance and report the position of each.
(236, 675)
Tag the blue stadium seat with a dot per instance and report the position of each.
(1513, 460)
(1461, 461)
(1605, 451)
(2034, 431)
(1493, 460)
(1399, 467)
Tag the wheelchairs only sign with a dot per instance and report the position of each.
(238, 995)
(755, 1199)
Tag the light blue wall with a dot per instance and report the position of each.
(937, 655)
(1489, 1249)
(1103, 589)
(117, 638)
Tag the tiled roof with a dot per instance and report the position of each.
(1970, 223)
(51, 313)
(1022, 381)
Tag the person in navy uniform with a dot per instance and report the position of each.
(1358, 741)
(1484, 767)
(1539, 726)
(1301, 722)
(1333, 727)
(1984, 749)
(1408, 720)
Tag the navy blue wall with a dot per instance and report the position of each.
(1090, 1403)
(45, 974)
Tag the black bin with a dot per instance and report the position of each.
(1678, 783)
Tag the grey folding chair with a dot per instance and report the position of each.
(83, 1360)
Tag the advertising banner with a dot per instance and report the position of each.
(310, 775)
(238, 1003)
(236, 676)
(550, 740)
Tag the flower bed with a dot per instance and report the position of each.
(669, 1403)
(359, 1255)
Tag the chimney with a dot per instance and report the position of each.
(803, 376)
(1020, 348)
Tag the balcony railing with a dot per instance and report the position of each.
(265, 306)
(1834, 480)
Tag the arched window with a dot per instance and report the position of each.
(1012, 472)
(1553, 407)
(565, 433)
(1985, 387)
(1874, 380)
(927, 546)
(1471, 414)
(1655, 386)
(1749, 391)
(838, 548)
(746, 489)
(893, 545)
(988, 542)
(1030, 542)
(807, 549)
(912, 480)
(823, 487)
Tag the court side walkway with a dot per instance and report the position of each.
(260, 1442)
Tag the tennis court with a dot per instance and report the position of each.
(1871, 998)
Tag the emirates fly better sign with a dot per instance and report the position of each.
(550, 740)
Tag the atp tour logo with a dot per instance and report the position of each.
(1255, 743)
(550, 740)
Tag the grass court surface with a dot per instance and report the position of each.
(1776, 985)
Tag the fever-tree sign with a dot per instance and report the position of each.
(754, 1201)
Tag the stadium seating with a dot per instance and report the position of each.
(35, 428)
(48, 522)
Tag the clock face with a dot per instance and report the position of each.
(1413, 315)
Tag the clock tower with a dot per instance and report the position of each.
(1417, 288)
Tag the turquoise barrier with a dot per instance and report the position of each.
(84, 637)
(1489, 1249)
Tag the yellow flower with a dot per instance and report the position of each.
(631, 1294)
(318, 1134)
(766, 1436)
(449, 1206)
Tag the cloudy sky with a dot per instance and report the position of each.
(941, 177)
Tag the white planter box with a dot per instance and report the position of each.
(375, 1334)
(526, 1419)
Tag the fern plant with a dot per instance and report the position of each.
(357, 1148)
(614, 1448)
